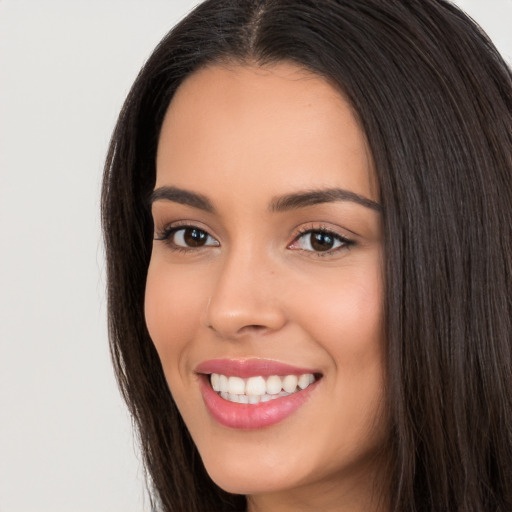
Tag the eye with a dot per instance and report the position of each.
(187, 237)
(320, 240)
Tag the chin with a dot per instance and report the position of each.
(249, 477)
(248, 484)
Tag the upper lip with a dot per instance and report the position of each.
(246, 368)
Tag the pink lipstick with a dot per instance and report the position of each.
(254, 393)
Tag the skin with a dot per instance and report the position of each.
(241, 136)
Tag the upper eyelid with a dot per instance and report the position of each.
(167, 226)
(342, 233)
(315, 229)
(345, 239)
(167, 234)
(174, 227)
(298, 231)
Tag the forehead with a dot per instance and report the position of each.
(280, 123)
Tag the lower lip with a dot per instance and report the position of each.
(251, 416)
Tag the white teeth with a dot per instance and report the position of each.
(223, 384)
(233, 397)
(236, 385)
(305, 380)
(274, 385)
(215, 381)
(258, 389)
(253, 399)
(290, 383)
(256, 386)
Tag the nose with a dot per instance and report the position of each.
(245, 299)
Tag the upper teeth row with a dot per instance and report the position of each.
(259, 386)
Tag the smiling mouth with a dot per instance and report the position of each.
(254, 393)
(258, 389)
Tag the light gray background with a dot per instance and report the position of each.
(65, 67)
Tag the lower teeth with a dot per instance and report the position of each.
(251, 399)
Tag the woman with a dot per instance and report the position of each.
(308, 224)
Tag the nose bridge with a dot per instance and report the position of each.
(244, 298)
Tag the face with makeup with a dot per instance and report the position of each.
(264, 292)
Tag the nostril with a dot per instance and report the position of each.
(230, 315)
(253, 328)
(245, 328)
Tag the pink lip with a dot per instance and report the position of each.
(246, 368)
(250, 416)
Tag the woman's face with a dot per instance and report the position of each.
(266, 271)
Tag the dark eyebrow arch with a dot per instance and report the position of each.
(178, 195)
(313, 197)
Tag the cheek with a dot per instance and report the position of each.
(346, 318)
(346, 315)
(172, 314)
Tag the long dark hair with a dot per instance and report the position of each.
(434, 98)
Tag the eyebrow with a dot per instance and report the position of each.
(278, 204)
(313, 197)
(178, 195)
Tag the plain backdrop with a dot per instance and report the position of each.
(66, 441)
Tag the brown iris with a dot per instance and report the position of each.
(322, 241)
(194, 237)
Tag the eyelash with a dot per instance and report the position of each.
(167, 234)
(345, 242)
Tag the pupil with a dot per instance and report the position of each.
(321, 241)
(194, 237)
